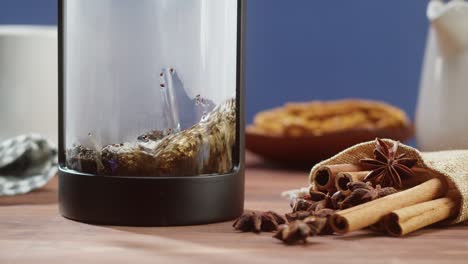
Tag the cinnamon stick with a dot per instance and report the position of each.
(422, 175)
(406, 220)
(343, 178)
(366, 214)
(324, 177)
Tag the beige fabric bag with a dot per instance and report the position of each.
(451, 165)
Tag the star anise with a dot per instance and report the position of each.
(388, 168)
(316, 201)
(298, 215)
(299, 230)
(301, 204)
(323, 213)
(326, 213)
(316, 204)
(362, 192)
(256, 221)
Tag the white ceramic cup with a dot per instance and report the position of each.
(28, 81)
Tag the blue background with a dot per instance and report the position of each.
(300, 50)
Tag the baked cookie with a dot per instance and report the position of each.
(318, 118)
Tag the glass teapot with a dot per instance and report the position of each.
(151, 111)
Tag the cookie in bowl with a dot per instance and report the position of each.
(305, 132)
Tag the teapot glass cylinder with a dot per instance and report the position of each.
(151, 111)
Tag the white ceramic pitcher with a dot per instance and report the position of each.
(442, 112)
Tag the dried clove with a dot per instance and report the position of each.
(337, 198)
(326, 202)
(316, 196)
(364, 192)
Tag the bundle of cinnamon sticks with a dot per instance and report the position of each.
(422, 200)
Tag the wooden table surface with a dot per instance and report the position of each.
(32, 231)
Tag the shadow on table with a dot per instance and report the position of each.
(221, 227)
(216, 237)
(187, 233)
(360, 235)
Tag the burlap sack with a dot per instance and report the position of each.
(450, 165)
